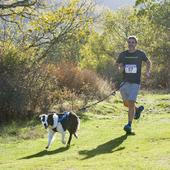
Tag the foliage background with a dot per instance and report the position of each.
(55, 52)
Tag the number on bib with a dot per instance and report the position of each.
(130, 68)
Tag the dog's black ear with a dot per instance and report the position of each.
(38, 117)
(50, 119)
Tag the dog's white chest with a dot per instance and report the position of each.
(55, 121)
(60, 128)
(57, 125)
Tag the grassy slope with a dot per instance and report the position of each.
(102, 144)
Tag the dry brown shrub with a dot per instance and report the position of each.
(80, 81)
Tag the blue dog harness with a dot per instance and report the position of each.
(63, 116)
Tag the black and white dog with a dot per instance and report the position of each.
(60, 123)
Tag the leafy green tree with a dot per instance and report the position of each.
(158, 13)
(53, 29)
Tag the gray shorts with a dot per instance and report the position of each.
(129, 91)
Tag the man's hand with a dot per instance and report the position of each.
(148, 74)
(120, 67)
(148, 68)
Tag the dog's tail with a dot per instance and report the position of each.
(75, 124)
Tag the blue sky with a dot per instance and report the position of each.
(115, 4)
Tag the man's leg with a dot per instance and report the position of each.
(129, 94)
(131, 112)
(138, 112)
(126, 104)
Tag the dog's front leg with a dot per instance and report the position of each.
(50, 137)
(63, 137)
(63, 133)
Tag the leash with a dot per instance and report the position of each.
(83, 109)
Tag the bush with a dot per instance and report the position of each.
(12, 99)
(26, 90)
(80, 81)
(74, 85)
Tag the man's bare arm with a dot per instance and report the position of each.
(148, 68)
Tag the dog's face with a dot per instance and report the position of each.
(44, 120)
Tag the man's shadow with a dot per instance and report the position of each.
(45, 152)
(107, 147)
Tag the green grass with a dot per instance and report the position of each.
(102, 144)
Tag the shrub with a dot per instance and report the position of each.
(80, 81)
(76, 84)
(26, 90)
(12, 68)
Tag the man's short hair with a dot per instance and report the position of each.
(133, 37)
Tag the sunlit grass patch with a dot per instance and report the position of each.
(102, 143)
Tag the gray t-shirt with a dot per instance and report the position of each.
(132, 63)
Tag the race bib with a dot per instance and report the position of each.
(130, 68)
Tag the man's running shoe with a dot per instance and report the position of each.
(138, 112)
(127, 129)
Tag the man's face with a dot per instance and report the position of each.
(132, 44)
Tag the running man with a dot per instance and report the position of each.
(130, 62)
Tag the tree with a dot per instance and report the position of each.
(54, 28)
(158, 14)
(117, 26)
(23, 3)
(28, 46)
(158, 11)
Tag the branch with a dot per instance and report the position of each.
(10, 21)
(24, 3)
